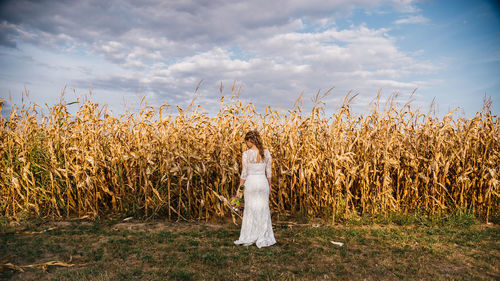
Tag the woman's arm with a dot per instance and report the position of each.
(239, 193)
(244, 172)
(269, 169)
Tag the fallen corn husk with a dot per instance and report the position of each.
(42, 266)
(340, 244)
(37, 232)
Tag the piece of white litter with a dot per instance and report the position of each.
(340, 244)
(127, 219)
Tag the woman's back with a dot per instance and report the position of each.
(251, 165)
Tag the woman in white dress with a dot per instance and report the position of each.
(256, 226)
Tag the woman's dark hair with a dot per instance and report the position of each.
(254, 137)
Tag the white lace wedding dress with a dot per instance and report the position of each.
(256, 226)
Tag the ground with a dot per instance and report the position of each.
(161, 250)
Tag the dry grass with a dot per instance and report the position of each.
(160, 250)
(390, 160)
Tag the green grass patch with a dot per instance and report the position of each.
(454, 248)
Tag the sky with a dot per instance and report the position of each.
(114, 52)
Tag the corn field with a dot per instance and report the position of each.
(150, 164)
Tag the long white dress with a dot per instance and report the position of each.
(256, 226)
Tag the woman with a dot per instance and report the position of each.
(256, 226)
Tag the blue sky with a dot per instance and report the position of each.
(448, 50)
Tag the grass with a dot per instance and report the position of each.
(393, 248)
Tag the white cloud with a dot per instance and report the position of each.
(406, 6)
(166, 47)
(359, 58)
(412, 20)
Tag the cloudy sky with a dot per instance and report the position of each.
(447, 50)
